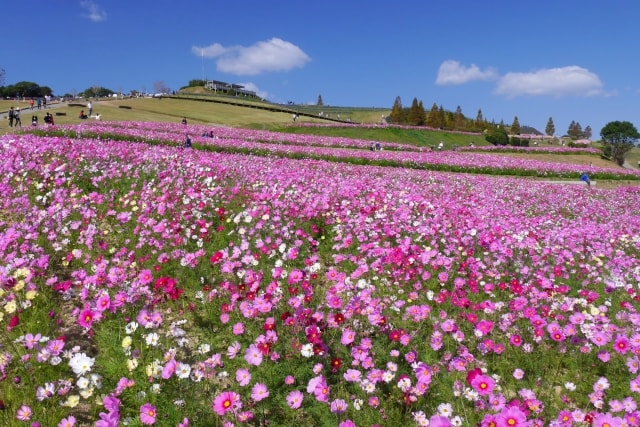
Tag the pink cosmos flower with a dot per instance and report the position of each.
(243, 376)
(238, 329)
(148, 414)
(253, 356)
(145, 277)
(606, 420)
(439, 421)
(511, 416)
(294, 399)
(67, 422)
(347, 336)
(169, 369)
(225, 402)
(489, 420)
(259, 392)
(338, 406)
(24, 413)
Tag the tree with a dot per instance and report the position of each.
(160, 87)
(320, 103)
(458, 119)
(480, 123)
(416, 114)
(515, 126)
(551, 128)
(397, 115)
(575, 130)
(497, 136)
(96, 91)
(618, 139)
(432, 117)
(587, 132)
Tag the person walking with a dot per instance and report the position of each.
(16, 118)
(90, 108)
(11, 116)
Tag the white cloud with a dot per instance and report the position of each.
(565, 81)
(454, 73)
(251, 86)
(94, 12)
(271, 55)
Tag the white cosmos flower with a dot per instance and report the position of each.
(80, 363)
(183, 370)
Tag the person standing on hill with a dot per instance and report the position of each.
(11, 116)
(90, 108)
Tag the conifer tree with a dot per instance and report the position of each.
(397, 115)
(320, 103)
(458, 119)
(432, 117)
(550, 129)
(515, 126)
(480, 123)
(415, 116)
(441, 118)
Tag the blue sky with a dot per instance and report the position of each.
(565, 59)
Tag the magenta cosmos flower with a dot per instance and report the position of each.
(148, 414)
(225, 402)
(483, 384)
(511, 416)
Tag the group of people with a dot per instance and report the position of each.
(16, 121)
(14, 117)
(38, 102)
(48, 119)
(375, 146)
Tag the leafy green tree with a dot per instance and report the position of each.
(196, 83)
(96, 91)
(619, 138)
(497, 136)
(515, 126)
(397, 115)
(550, 129)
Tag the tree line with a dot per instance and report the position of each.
(439, 118)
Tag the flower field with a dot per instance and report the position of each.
(146, 284)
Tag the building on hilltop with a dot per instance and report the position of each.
(228, 88)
